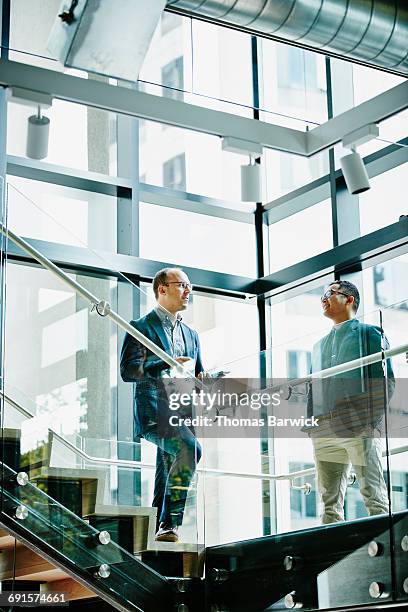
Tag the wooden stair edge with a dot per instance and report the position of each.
(74, 590)
(31, 566)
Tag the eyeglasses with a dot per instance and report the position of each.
(181, 285)
(327, 294)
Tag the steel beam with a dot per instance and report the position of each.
(121, 187)
(149, 107)
(191, 117)
(111, 264)
(314, 192)
(352, 256)
(60, 175)
(375, 110)
(297, 200)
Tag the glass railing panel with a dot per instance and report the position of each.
(72, 414)
(238, 456)
(341, 458)
(237, 465)
(267, 444)
(394, 320)
(89, 552)
(5, 449)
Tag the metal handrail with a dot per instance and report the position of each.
(94, 301)
(123, 324)
(127, 463)
(347, 366)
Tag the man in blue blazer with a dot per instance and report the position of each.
(350, 406)
(178, 451)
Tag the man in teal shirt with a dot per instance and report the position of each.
(350, 406)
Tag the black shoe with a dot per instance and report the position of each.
(166, 533)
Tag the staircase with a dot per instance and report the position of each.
(327, 567)
(74, 546)
(58, 535)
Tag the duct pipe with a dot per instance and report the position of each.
(372, 32)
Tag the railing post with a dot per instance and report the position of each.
(3, 245)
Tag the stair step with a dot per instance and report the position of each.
(11, 447)
(29, 566)
(175, 547)
(81, 491)
(134, 528)
(130, 532)
(6, 540)
(33, 573)
(182, 563)
(73, 589)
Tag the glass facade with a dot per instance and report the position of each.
(119, 198)
(174, 158)
(384, 203)
(291, 241)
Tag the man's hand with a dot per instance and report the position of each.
(188, 367)
(183, 359)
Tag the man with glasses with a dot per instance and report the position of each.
(350, 406)
(178, 451)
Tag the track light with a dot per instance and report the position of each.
(354, 173)
(38, 128)
(251, 183)
(251, 173)
(38, 132)
(352, 165)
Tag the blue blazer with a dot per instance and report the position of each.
(143, 368)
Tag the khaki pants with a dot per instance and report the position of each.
(333, 457)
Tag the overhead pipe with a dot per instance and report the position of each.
(372, 32)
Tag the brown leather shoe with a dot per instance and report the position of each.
(166, 534)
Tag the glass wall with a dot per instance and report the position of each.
(385, 202)
(385, 288)
(293, 94)
(210, 242)
(189, 161)
(300, 236)
(59, 360)
(72, 217)
(55, 356)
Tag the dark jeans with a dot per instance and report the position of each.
(176, 461)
